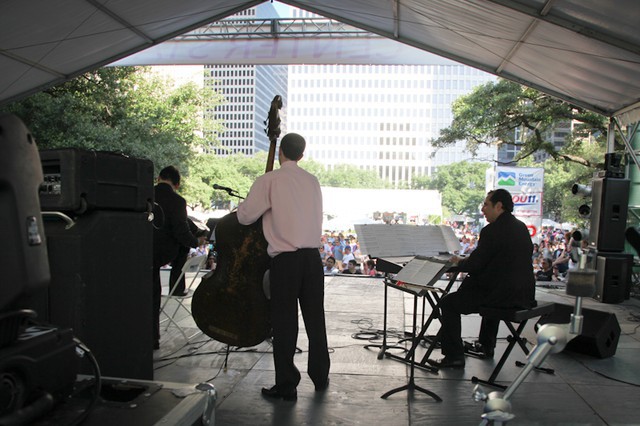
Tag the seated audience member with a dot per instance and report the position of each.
(470, 247)
(370, 268)
(347, 255)
(561, 259)
(202, 250)
(338, 251)
(546, 273)
(352, 268)
(323, 254)
(330, 266)
(356, 253)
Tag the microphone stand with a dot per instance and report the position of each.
(232, 192)
(551, 338)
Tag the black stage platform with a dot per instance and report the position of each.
(584, 390)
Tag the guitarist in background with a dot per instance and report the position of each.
(289, 201)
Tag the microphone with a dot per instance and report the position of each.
(224, 188)
(229, 191)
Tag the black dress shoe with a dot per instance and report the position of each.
(447, 362)
(274, 393)
(323, 387)
(478, 350)
(487, 352)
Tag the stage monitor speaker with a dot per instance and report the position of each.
(600, 331)
(101, 287)
(609, 204)
(613, 277)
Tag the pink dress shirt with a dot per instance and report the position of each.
(290, 202)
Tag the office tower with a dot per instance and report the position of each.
(381, 117)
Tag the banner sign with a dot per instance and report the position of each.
(520, 179)
(525, 184)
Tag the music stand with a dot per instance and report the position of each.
(389, 268)
(393, 245)
(418, 277)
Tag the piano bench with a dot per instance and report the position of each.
(509, 316)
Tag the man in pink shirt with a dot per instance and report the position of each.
(289, 200)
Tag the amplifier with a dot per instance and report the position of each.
(77, 180)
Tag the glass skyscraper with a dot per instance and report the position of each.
(380, 117)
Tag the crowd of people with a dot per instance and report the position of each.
(553, 255)
(341, 255)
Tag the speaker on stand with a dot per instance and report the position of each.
(609, 205)
(613, 277)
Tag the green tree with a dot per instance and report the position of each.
(235, 171)
(493, 112)
(240, 171)
(461, 185)
(122, 109)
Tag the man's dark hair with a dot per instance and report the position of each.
(293, 145)
(503, 196)
(332, 258)
(170, 173)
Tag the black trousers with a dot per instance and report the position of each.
(464, 301)
(297, 277)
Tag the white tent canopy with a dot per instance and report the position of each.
(584, 51)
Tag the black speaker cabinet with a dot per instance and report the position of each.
(101, 287)
(609, 204)
(613, 277)
(77, 180)
(600, 331)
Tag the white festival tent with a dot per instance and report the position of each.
(346, 207)
(584, 51)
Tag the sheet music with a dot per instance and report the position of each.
(378, 240)
(423, 271)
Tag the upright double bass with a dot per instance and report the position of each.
(230, 304)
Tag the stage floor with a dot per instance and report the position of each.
(584, 390)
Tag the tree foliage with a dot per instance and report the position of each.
(240, 171)
(236, 171)
(493, 112)
(120, 109)
(461, 185)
